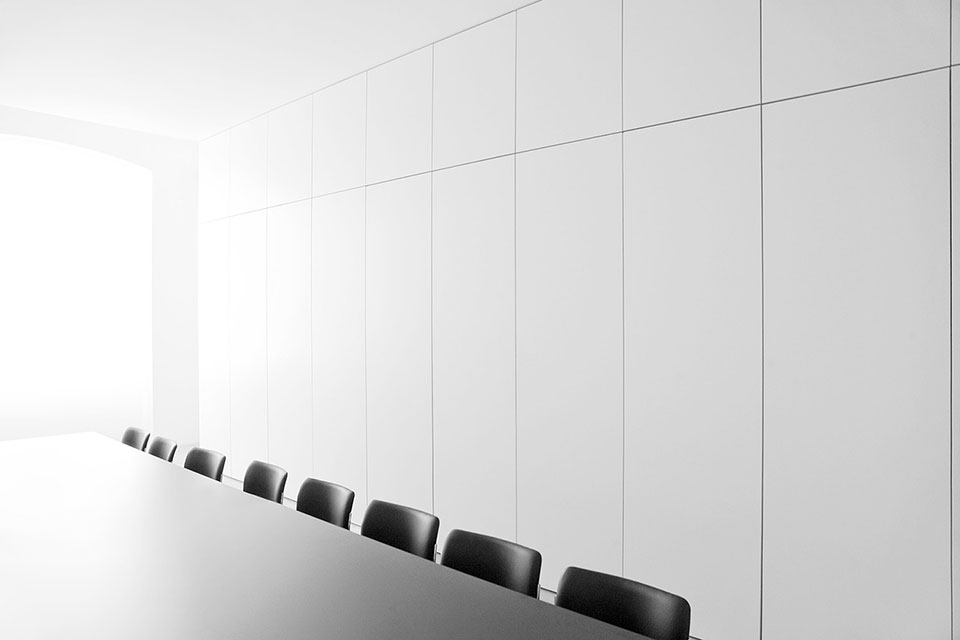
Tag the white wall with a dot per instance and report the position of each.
(173, 259)
(575, 283)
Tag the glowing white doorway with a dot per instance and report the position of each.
(75, 290)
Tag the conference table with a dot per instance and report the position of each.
(99, 540)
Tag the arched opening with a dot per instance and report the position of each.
(75, 290)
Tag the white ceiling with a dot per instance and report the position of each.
(191, 68)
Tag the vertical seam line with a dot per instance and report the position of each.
(623, 327)
(516, 376)
(763, 357)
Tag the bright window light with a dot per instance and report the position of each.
(75, 290)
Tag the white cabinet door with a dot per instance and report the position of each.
(692, 288)
(857, 367)
(289, 371)
(683, 59)
(248, 166)
(474, 93)
(289, 152)
(474, 378)
(568, 71)
(823, 44)
(339, 365)
(214, 178)
(248, 340)
(399, 107)
(399, 395)
(214, 337)
(570, 356)
(339, 136)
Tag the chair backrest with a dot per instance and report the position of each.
(136, 438)
(265, 480)
(625, 603)
(498, 561)
(163, 448)
(406, 529)
(325, 500)
(205, 462)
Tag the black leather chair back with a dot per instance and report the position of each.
(136, 438)
(402, 527)
(163, 448)
(327, 501)
(625, 603)
(498, 561)
(205, 462)
(265, 480)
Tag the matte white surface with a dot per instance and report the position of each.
(955, 299)
(339, 136)
(399, 108)
(289, 168)
(682, 59)
(474, 375)
(339, 380)
(474, 90)
(187, 69)
(857, 367)
(399, 416)
(693, 365)
(214, 177)
(570, 356)
(248, 340)
(568, 71)
(214, 337)
(822, 44)
(955, 31)
(248, 166)
(289, 368)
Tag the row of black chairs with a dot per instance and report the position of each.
(203, 461)
(619, 601)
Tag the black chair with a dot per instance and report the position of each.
(265, 480)
(401, 527)
(163, 448)
(498, 561)
(625, 603)
(136, 438)
(205, 462)
(327, 501)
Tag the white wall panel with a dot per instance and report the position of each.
(339, 136)
(339, 379)
(955, 32)
(682, 59)
(214, 177)
(289, 368)
(474, 93)
(856, 292)
(692, 287)
(399, 108)
(570, 355)
(248, 340)
(823, 44)
(289, 158)
(399, 415)
(474, 348)
(568, 71)
(955, 342)
(248, 166)
(214, 339)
